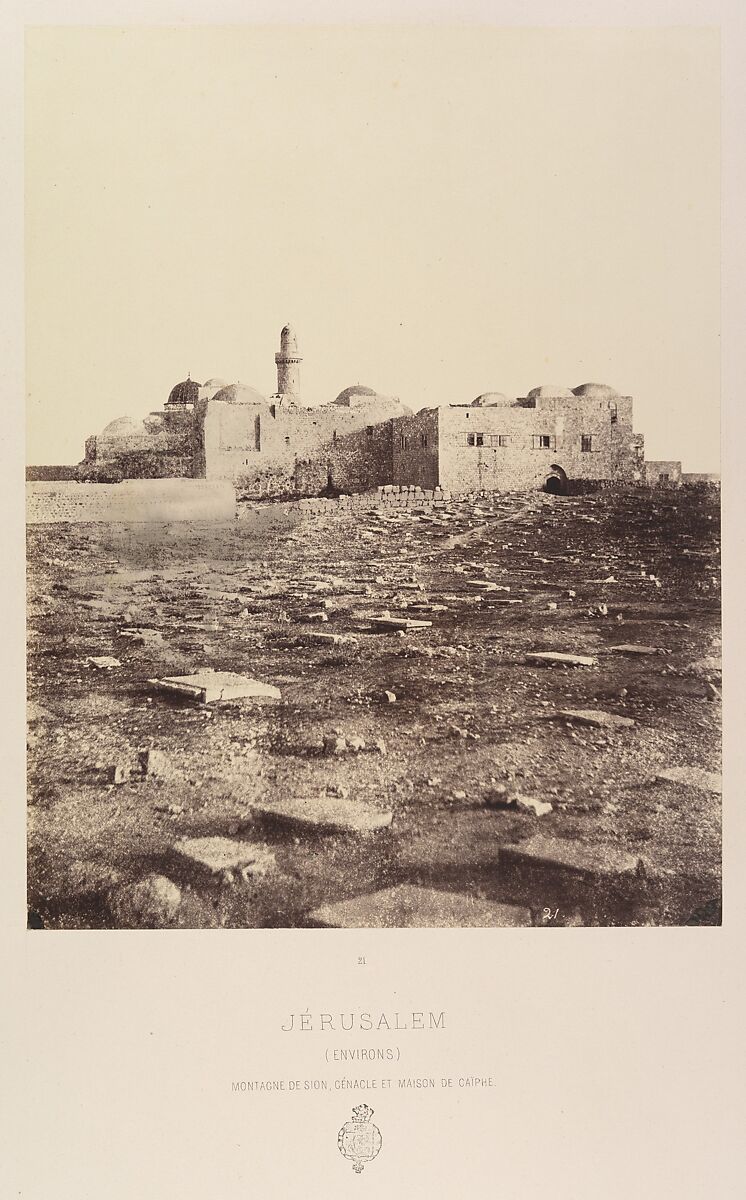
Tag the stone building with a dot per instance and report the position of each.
(277, 446)
(273, 446)
(546, 439)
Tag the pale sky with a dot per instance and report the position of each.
(438, 211)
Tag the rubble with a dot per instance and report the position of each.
(324, 814)
(557, 658)
(207, 686)
(592, 716)
(694, 777)
(411, 907)
(150, 904)
(223, 856)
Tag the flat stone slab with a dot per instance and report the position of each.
(398, 623)
(207, 686)
(411, 907)
(694, 777)
(325, 814)
(633, 648)
(558, 854)
(550, 657)
(219, 855)
(592, 716)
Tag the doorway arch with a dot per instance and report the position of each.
(556, 483)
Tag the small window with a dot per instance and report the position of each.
(369, 430)
(479, 439)
(287, 441)
(542, 441)
(423, 441)
(586, 443)
(664, 477)
(470, 439)
(499, 439)
(334, 435)
(613, 410)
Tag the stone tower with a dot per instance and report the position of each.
(288, 365)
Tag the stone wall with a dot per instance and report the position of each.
(133, 500)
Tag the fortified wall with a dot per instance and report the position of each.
(134, 500)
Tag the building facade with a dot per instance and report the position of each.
(543, 440)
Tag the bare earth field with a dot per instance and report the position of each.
(472, 725)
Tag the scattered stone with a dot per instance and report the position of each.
(207, 686)
(410, 907)
(399, 623)
(155, 763)
(119, 773)
(380, 746)
(694, 777)
(551, 657)
(220, 855)
(548, 856)
(104, 662)
(325, 814)
(331, 639)
(149, 904)
(591, 716)
(317, 616)
(334, 744)
(390, 697)
(459, 795)
(530, 804)
(356, 744)
(632, 648)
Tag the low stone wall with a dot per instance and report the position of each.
(392, 496)
(132, 500)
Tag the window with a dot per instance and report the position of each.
(287, 441)
(403, 442)
(423, 441)
(542, 441)
(664, 477)
(499, 439)
(470, 439)
(369, 430)
(479, 439)
(586, 443)
(334, 435)
(613, 410)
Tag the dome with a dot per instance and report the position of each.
(550, 391)
(288, 340)
(596, 391)
(239, 393)
(215, 383)
(355, 393)
(491, 400)
(122, 427)
(184, 393)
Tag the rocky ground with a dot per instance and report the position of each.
(449, 728)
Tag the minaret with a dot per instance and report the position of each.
(288, 366)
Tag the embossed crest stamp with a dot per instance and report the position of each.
(359, 1139)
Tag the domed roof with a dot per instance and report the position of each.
(184, 393)
(596, 391)
(122, 427)
(239, 393)
(491, 400)
(215, 383)
(288, 340)
(550, 391)
(356, 392)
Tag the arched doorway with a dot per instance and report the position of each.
(556, 483)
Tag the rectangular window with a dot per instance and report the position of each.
(586, 443)
(499, 439)
(664, 477)
(287, 441)
(479, 439)
(470, 439)
(542, 441)
(613, 409)
(369, 430)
